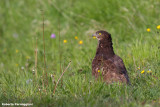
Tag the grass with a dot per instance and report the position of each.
(127, 21)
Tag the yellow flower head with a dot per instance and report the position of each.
(139, 68)
(80, 42)
(76, 37)
(94, 37)
(99, 33)
(149, 71)
(158, 27)
(27, 57)
(148, 29)
(98, 70)
(64, 41)
(142, 72)
(17, 50)
(16, 65)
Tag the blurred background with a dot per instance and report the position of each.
(21, 23)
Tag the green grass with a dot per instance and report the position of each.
(127, 21)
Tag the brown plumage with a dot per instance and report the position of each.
(110, 65)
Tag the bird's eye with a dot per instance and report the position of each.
(99, 33)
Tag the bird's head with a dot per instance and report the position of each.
(102, 35)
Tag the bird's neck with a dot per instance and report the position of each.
(105, 49)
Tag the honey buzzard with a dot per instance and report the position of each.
(106, 63)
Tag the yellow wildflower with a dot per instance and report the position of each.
(142, 72)
(149, 71)
(94, 37)
(76, 37)
(139, 68)
(80, 42)
(27, 57)
(64, 41)
(98, 70)
(17, 50)
(99, 33)
(16, 65)
(158, 27)
(148, 29)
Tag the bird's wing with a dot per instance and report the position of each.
(118, 62)
(121, 67)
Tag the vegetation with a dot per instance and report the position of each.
(135, 33)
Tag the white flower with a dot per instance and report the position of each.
(22, 68)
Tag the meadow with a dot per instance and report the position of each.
(68, 25)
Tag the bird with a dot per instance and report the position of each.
(106, 63)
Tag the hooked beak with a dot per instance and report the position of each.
(94, 35)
